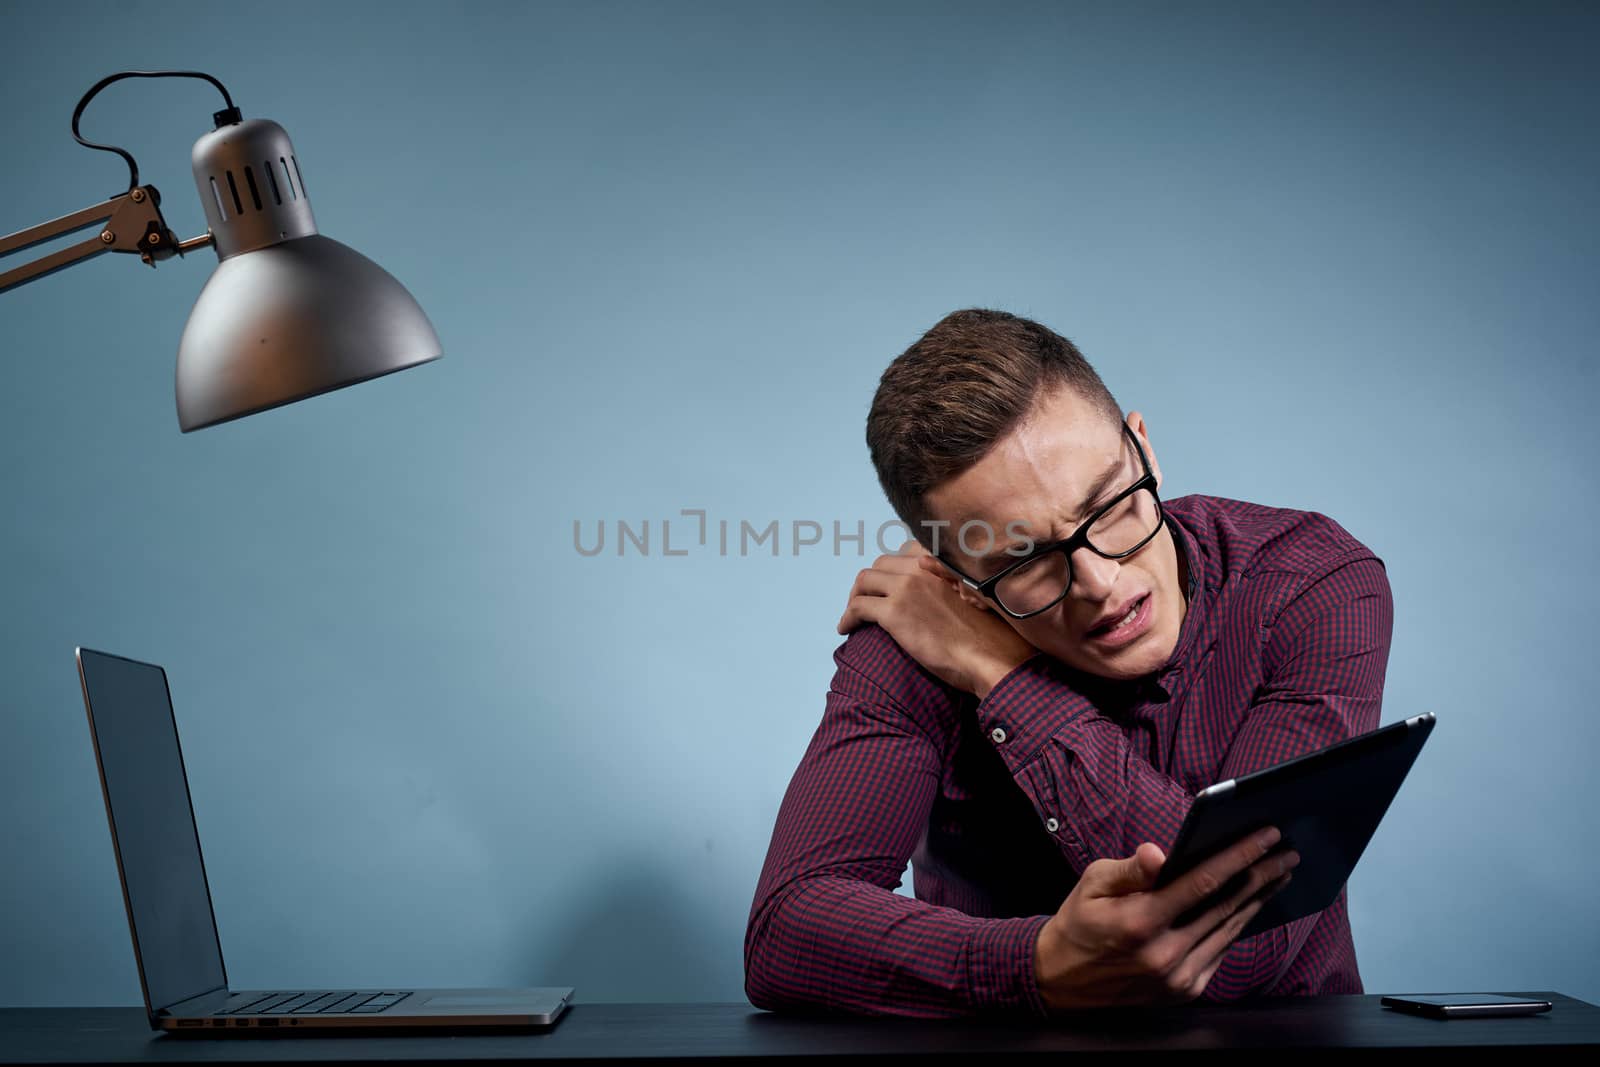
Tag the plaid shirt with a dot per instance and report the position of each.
(1282, 651)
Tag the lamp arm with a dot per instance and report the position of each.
(132, 223)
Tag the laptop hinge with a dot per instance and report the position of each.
(199, 1004)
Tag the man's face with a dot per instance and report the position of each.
(1039, 478)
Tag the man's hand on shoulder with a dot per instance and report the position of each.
(911, 596)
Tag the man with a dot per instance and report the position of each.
(1031, 694)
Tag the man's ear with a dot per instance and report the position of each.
(1137, 424)
(972, 596)
(955, 581)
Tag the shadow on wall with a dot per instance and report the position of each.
(635, 935)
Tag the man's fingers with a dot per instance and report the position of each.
(1200, 884)
(1150, 859)
(881, 577)
(1131, 874)
(870, 592)
(1200, 943)
(1219, 925)
(863, 608)
(902, 564)
(868, 599)
(1257, 881)
(886, 576)
(1213, 948)
(875, 582)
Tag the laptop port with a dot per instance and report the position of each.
(191, 1022)
(266, 1022)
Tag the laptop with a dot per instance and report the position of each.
(174, 928)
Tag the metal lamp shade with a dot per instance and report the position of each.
(289, 321)
(289, 313)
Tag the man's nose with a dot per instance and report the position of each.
(1093, 576)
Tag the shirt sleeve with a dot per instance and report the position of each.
(826, 930)
(1323, 663)
(1093, 794)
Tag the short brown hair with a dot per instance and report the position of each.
(965, 384)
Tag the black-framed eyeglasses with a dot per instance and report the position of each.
(1037, 582)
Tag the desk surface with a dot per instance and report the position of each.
(594, 1033)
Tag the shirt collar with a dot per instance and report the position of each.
(1193, 555)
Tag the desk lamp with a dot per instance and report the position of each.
(288, 314)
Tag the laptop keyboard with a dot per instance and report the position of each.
(339, 1003)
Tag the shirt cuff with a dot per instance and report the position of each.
(1000, 968)
(1025, 708)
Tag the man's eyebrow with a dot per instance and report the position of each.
(1096, 491)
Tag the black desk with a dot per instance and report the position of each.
(595, 1033)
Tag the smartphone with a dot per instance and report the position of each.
(1465, 1005)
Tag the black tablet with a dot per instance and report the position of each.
(1327, 804)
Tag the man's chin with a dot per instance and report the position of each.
(1115, 668)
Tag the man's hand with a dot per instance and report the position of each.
(910, 595)
(1112, 942)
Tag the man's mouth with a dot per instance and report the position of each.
(1127, 617)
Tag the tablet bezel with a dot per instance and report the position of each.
(1292, 796)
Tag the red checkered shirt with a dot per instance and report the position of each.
(1282, 651)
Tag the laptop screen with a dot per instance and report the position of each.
(152, 828)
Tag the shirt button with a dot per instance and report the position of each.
(1051, 825)
(998, 735)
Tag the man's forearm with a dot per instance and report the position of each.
(1105, 800)
(1094, 795)
(826, 929)
(840, 944)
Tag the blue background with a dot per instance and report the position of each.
(1341, 256)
